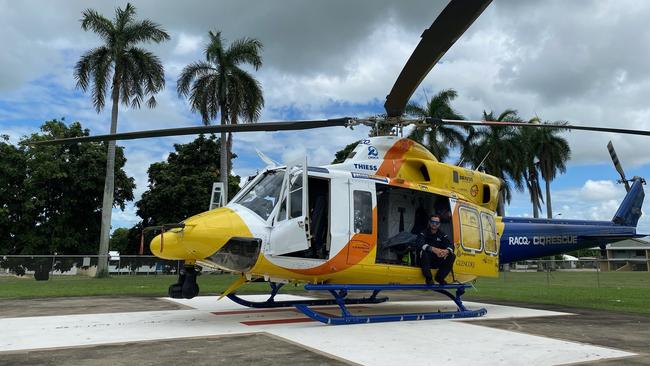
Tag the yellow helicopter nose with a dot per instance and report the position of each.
(201, 237)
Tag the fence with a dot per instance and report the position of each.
(591, 264)
(586, 273)
(150, 265)
(44, 265)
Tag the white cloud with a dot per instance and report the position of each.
(187, 44)
(600, 190)
(126, 218)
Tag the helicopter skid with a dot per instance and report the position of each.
(315, 302)
(275, 287)
(340, 292)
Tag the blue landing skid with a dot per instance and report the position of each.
(275, 287)
(340, 292)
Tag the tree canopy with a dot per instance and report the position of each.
(181, 186)
(51, 196)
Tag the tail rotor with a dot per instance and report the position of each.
(617, 165)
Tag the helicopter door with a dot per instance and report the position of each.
(290, 232)
(362, 218)
(478, 252)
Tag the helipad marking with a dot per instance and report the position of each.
(302, 319)
(278, 321)
(390, 343)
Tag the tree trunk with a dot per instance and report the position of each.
(549, 209)
(229, 153)
(533, 193)
(223, 171)
(109, 188)
(535, 200)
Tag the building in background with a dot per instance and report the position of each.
(628, 255)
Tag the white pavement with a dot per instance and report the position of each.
(414, 342)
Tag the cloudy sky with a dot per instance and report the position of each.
(581, 61)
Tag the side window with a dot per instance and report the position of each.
(295, 196)
(362, 212)
(489, 234)
(470, 229)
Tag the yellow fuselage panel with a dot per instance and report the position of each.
(202, 236)
(369, 273)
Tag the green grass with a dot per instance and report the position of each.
(141, 285)
(616, 291)
(624, 292)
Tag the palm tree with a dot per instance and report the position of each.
(495, 147)
(438, 139)
(553, 152)
(133, 73)
(528, 163)
(219, 85)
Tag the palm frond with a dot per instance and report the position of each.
(148, 69)
(245, 50)
(94, 68)
(92, 20)
(247, 98)
(144, 31)
(509, 115)
(202, 97)
(191, 72)
(415, 110)
(214, 51)
(84, 68)
(137, 73)
(124, 16)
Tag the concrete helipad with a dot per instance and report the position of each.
(222, 331)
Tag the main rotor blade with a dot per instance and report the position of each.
(536, 125)
(248, 127)
(443, 33)
(617, 165)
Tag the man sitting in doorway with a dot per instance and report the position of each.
(437, 252)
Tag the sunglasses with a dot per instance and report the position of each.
(435, 222)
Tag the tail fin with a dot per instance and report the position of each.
(629, 212)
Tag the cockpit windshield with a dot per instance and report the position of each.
(263, 195)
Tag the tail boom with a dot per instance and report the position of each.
(534, 238)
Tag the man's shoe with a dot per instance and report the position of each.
(429, 282)
(442, 282)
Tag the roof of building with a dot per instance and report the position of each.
(630, 244)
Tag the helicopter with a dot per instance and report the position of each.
(345, 227)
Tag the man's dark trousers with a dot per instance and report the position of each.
(430, 260)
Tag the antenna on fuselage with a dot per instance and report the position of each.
(269, 162)
(483, 161)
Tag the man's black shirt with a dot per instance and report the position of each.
(437, 240)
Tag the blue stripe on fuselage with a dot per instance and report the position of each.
(525, 238)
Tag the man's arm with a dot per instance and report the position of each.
(421, 243)
(447, 243)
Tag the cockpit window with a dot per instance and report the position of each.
(263, 195)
